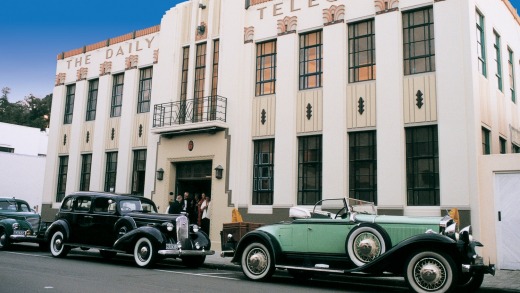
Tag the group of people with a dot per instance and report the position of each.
(197, 209)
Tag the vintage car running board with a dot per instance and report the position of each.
(315, 269)
(178, 252)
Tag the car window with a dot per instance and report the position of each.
(8, 205)
(83, 204)
(148, 207)
(103, 205)
(24, 207)
(130, 205)
(67, 204)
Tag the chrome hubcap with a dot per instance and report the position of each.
(57, 244)
(2, 239)
(430, 274)
(143, 252)
(257, 261)
(367, 247)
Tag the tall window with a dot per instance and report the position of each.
(418, 41)
(486, 142)
(363, 166)
(511, 65)
(139, 172)
(92, 99)
(422, 166)
(265, 68)
(184, 83)
(145, 90)
(200, 73)
(481, 43)
(214, 79)
(86, 163)
(310, 60)
(62, 177)
(361, 51)
(117, 94)
(309, 169)
(111, 172)
(69, 104)
(498, 61)
(263, 168)
(503, 144)
(515, 149)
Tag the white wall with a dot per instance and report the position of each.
(25, 140)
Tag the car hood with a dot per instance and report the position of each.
(383, 219)
(153, 216)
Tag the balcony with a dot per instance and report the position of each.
(206, 114)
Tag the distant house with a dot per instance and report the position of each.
(23, 151)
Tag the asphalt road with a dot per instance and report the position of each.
(26, 269)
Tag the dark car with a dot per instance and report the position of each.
(347, 236)
(19, 223)
(125, 224)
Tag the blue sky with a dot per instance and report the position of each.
(34, 32)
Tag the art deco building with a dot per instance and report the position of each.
(269, 104)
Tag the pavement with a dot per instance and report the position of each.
(505, 280)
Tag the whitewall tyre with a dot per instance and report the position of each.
(257, 262)
(431, 272)
(366, 243)
(144, 252)
(57, 244)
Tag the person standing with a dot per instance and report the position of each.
(206, 215)
(193, 209)
(185, 202)
(176, 206)
(199, 209)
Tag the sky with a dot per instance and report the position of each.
(34, 32)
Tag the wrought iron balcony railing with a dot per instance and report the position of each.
(212, 108)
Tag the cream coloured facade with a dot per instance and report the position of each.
(301, 100)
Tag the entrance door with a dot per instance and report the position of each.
(507, 196)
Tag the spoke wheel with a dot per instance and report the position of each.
(144, 252)
(57, 246)
(4, 240)
(430, 271)
(366, 243)
(257, 262)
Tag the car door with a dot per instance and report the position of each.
(104, 218)
(81, 221)
(328, 235)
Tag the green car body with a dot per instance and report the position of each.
(18, 223)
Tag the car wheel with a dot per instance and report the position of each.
(257, 262)
(367, 242)
(122, 230)
(430, 271)
(300, 275)
(144, 252)
(57, 246)
(470, 282)
(4, 240)
(193, 261)
(107, 254)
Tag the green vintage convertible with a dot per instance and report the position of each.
(346, 236)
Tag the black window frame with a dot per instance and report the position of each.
(511, 73)
(145, 90)
(306, 59)
(503, 145)
(361, 45)
(422, 166)
(263, 172)
(486, 141)
(498, 61)
(481, 43)
(262, 56)
(86, 167)
(138, 171)
(310, 157)
(363, 165)
(199, 81)
(93, 87)
(118, 82)
(412, 55)
(69, 103)
(110, 171)
(63, 166)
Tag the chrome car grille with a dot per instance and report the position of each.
(34, 223)
(182, 226)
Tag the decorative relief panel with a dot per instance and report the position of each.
(60, 79)
(64, 137)
(384, 6)
(201, 33)
(87, 136)
(249, 34)
(81, 74)
(112, 133)
(131, 62)
(105, 68)
(140, 130)
(334, 14)
(309, 111)
(155, 56)
(264, 109)
(287, 25)
(361, 105)
(420, 98)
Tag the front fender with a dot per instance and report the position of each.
(58, 225)
(126, 242)
(7, 225)
(257, 236)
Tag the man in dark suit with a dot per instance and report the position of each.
(176, 206)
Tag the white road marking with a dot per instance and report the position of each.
(27, 254)
(202, 275)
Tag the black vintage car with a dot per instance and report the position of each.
(125, 224)
(19, 223)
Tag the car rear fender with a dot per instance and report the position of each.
(258, 236)
(394, 259)
(127, 241)
(58, 225)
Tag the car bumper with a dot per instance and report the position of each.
(180, 252)
(479, 268)
(24, 238)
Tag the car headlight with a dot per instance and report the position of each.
(195, 228)
(169, 227)
(16, 226)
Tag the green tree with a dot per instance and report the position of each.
(32, 111)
